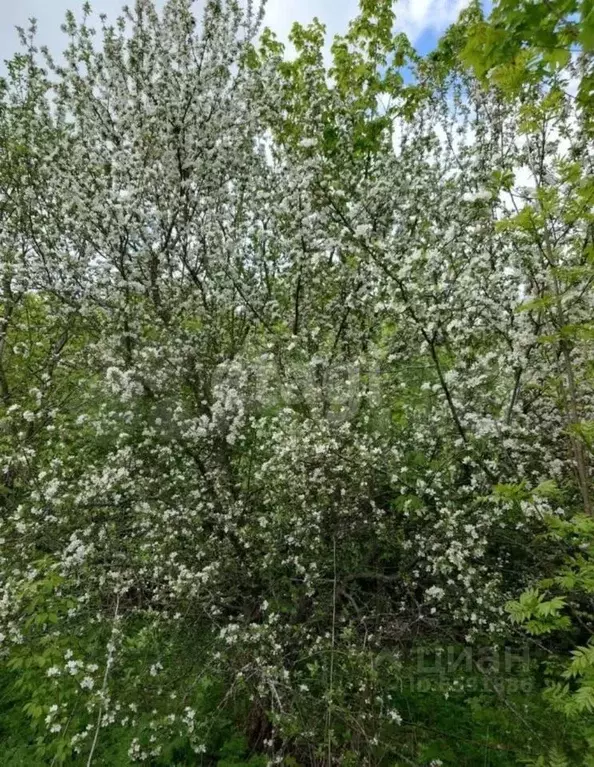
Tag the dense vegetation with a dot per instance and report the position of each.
(297, 392)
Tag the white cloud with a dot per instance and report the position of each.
(335, 14)
(415, 17)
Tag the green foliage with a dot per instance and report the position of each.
(541, 615)
(523, 44)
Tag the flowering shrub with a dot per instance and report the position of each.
(292, 360)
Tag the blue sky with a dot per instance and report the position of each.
(422, 20)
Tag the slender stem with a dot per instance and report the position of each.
(331, 684)
(108, 664)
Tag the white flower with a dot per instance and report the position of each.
(155, 668)
(73, 667)
(362, 230)
(435, 592)
(481, 194)
(53, 671)
(395, 716)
